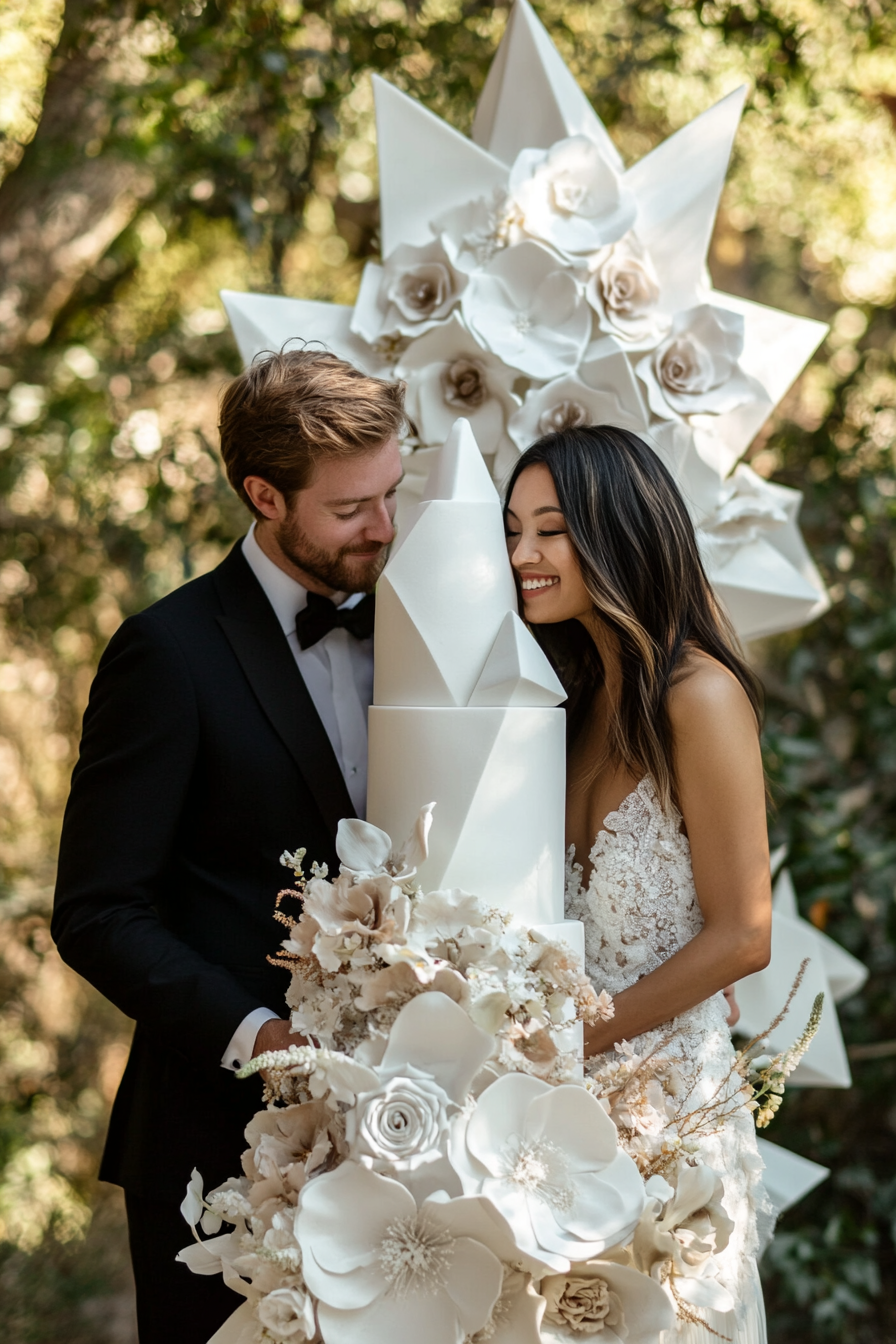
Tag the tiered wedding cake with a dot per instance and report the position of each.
(465, 701)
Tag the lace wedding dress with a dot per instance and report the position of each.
(638, 908)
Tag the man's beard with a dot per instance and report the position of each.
(333, 569)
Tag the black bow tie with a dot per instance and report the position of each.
(320, 616)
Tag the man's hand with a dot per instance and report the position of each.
(732, 1019)
(275, 1034)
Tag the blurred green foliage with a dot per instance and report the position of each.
(187, 146)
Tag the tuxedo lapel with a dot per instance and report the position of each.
(260, 646)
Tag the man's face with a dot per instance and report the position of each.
(337, 531)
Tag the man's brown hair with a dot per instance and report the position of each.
(287, 412)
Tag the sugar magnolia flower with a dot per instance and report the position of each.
(695, 370)
(680, 1232)
(415, 289)
(384, 1268)
(570, 197)
(605, 1299)
(624, 291)
(366, 851)
(528, 310)
(548, 1159)
(448, 374)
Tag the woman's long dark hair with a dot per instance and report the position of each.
(639, 559)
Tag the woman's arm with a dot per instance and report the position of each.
(721, 793)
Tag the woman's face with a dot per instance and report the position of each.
(541, 552)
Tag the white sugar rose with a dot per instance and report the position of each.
(625, 292)
(400, 1125)
(528, 311)
(570, 197)
(287, 1313)
(695, 369)
(414, 290)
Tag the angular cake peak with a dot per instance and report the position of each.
(269, 322)
(678, 186)
(516, 671)
(426, 166)
(460, 473)
(530, 99)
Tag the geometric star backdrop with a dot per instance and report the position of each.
(530, 281)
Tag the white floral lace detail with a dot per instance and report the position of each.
(639, 908)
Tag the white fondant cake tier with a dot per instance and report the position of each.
(497, 776)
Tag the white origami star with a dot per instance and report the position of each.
(832, 971)
(529, 281)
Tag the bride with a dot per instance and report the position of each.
(666, 806)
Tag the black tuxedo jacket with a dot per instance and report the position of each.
(202, 759)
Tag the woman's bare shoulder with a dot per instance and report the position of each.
(707, 693)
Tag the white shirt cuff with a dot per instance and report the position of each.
(242, 1042)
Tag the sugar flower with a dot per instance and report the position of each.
(384, 1269)
(547, 1158)
(415, 289)
(570, 197)
(433, 1054)
(695, 370)
(680, 1232)
(602, 392)
(366, 851)
(286, 1314)
(607, 1299)
(448, 374)
(528, 311)
(625, 293)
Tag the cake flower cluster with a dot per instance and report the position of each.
(430, 1164)
(540, 307)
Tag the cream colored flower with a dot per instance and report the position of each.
(570, 197)
(680, 1233)
(695, 370)
(287, 1313)
(384, 1268)
(625, 293)
(448, 374)
(400, 1125)
(286, 1145)
(602, 1299)
(366, 851)
(415, 289)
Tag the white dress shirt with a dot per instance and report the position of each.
(338, 671)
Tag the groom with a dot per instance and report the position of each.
(227, 722)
